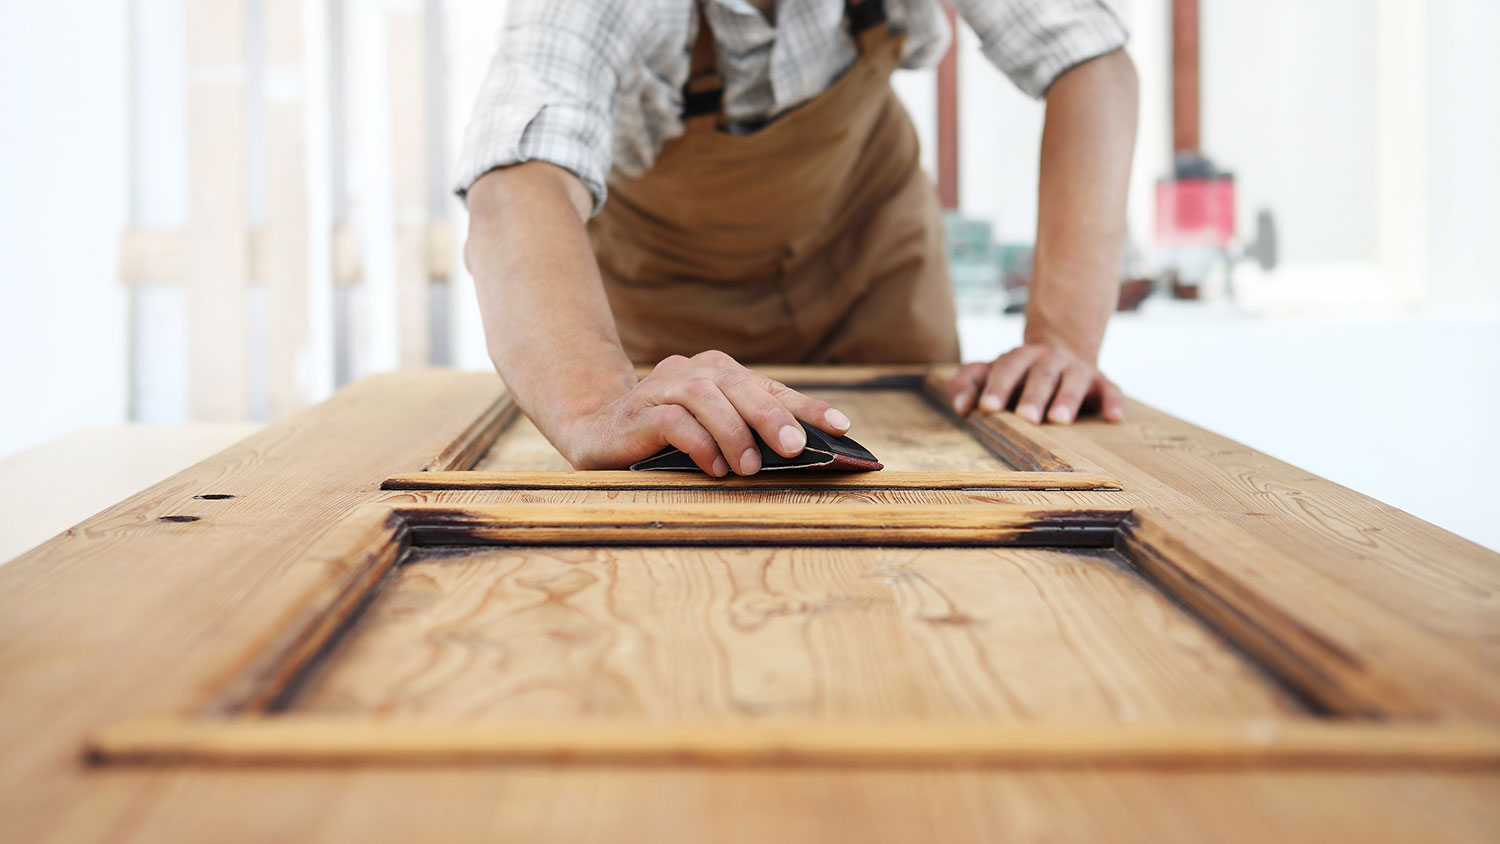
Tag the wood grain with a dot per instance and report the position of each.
(1038, 499)
(1271, 744)
(40, 496)
(758, 483)
(94, 624)
(1005, 434)
(1346, 574)
(661, 803)
(520, 447)
(465, 450)
(941, 635)
(1416, 610)
(291, 623)
(1274, 622)
(753, 522)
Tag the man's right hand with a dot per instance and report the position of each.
(553, 340)
(706, 406)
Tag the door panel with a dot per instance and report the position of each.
(794, 661)
(745, 633)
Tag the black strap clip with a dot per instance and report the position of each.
(864, 15)
(707, 101)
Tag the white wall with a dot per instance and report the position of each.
(158, 200)
(1288, 104)
(1465, 87)
(62, 206)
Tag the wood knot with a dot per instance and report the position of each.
(954, 619)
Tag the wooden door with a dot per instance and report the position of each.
(1009, 622)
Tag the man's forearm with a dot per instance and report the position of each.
(1087, 143)
(547, 321)
(552, 337)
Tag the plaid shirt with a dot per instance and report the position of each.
(591, 84)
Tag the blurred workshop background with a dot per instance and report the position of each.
(215, 212)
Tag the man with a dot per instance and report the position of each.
(705, 183)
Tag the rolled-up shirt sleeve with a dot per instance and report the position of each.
(548, 93)
(1034, 41)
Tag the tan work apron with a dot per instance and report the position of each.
(816, 239)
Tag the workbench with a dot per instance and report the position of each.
(400, 615)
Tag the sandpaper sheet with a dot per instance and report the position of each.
(823, 451)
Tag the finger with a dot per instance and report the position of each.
(1041, 383)
(677, 427)
(701, 395)
(1071, 391)
(1005, 375)
(815, 412)
(964, 387)
(780, 431)
(770, 418)
(1111, 401)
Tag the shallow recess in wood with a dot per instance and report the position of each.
(901, 415)
(942, 608)
(179, 518)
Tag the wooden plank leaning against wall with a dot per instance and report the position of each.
(217, 246)
(285, 268)
(220, 252)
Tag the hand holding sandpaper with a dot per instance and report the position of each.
(708, 406)
(823, 452)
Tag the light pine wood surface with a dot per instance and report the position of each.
(40, 495)
(1206, 746)
(974, 634)
(762, 482)
(1365, 609)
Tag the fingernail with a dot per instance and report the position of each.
(1061, 415)
(990, 402)
(959, 401)
(1029, 413)
(749, 462)
(720, 468)
(837, 419)
(792, 439)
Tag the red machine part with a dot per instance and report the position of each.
(1195, 212)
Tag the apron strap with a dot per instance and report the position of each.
(703, 93)
(863, 14)
(867, 22)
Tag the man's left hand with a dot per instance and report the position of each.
(1053, 383)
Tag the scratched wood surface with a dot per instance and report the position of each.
(899, 427)
(981, 634)
(95, 623)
